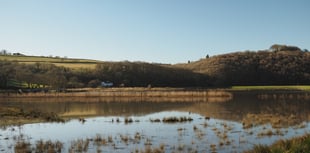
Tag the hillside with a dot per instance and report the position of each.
(18, 74)
(279, 65)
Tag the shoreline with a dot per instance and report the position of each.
(124, 92)
(149, 95)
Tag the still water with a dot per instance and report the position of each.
(234, 125)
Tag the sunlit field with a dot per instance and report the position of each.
(286, 87)
(58, 61)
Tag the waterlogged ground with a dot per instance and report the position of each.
(198, 135)
(232, 126)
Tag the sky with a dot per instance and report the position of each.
(155, 31)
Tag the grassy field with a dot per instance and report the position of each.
(286, 87)
(66, 62)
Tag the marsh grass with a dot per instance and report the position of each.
(125, 95)
(294, 145)
(276, 121)
(99, 142)
(49, 146)
(174, 119)
(284, 87)
(23, 146)
(128, 120)
(137, 137)
(125, 138)
(149, 149)
(155, 120)
(110, 139)
(18, 116)
(79, 146)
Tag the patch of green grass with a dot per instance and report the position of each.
(284, 87)
(44, 59)
(65, 62)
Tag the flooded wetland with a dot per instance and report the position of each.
(236, 124)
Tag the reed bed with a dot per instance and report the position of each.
(115, 99)
(23, 146)
(283, 96)
(172, 119)
(123, 95)
(176, 119)
(298, 144)
(276, 121)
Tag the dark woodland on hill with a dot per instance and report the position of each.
(278, 65)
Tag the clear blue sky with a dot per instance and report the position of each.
(162, 31)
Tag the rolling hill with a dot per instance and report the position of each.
(285, 65)
(279, 65)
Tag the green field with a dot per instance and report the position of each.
(66, 62)
(284, 87)
(22, 84)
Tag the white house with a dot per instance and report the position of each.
(106, 84)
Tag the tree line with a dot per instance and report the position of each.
(279, 65)
(122, 74)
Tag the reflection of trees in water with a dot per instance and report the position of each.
(102, 108)
(242, 107)
(248, 107)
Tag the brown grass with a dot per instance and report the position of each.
(298, 144)
(277, 121)
(126, 94)
(17, 116)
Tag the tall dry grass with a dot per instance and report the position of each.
(125, 94)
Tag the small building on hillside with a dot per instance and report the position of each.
(107, 84)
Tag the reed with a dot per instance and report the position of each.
(125, 92)
(297, 144)
(128, 120)
(174, 119)
(49, 146)
(22, 147)
(155, 120)
(124, 138)
(137, 137)
(110, 139)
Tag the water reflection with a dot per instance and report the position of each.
(242, 107)
(234, 126)
(199, 135)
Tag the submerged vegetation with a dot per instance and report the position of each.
(23, 146)
(189, 132)
(286, 87)
(173, 119)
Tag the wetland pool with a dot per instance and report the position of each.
(232, 126)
